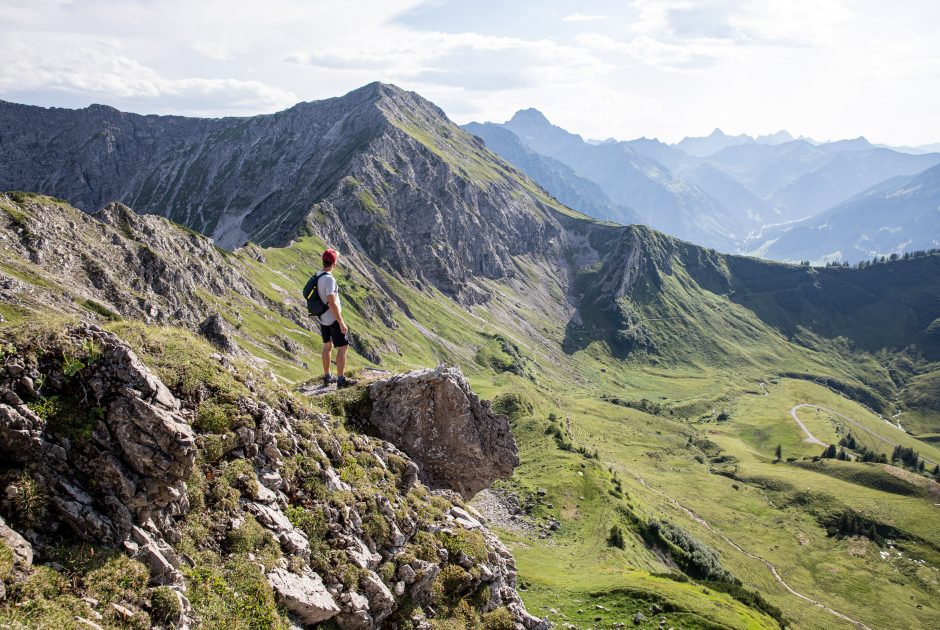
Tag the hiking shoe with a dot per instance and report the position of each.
(328, 379)
(345, 382)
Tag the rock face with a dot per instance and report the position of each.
(120, 263)
(217, 332)
(434, 417)
(385, 173)
(117, 463)
(22, 550)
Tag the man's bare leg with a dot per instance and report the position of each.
(341, 360)
(327, 351)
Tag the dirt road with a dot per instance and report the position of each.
(812, 440)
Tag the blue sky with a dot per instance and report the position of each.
(656, 68)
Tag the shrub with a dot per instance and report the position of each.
(615, 538)
(29, 502)
(236, 595)
(240, 474)
(387, 572)
(499, 619)
(513, 405)
(467, 541)
(311, 522)
(221, 496)
(423, 546)
(215, 416)
(164, 605)
(451, 583)
(212, 417)
(696, 557)
(251, 538)
(118, 579)
(375, 526)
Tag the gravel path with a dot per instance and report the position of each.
(809, 436)
(859, 425)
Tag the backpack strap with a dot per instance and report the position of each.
(316, 282)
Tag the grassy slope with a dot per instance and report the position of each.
(575, 569)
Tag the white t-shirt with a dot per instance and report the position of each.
(326, 287)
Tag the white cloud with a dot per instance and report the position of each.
(666, 68)
(582, 17)
(468, 60)
(104, 73)
(213, 50)
(780, 22)
(688, 55)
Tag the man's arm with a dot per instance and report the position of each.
(337, 312)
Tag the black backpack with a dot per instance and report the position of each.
(315, 306)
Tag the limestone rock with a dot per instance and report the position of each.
(381, 601)
(434, 417)
(22, 550)
(143, 449)
(217, 332)
(303, 595)
(355, 615)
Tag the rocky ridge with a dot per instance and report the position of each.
(337, 523)
(135, 266)
(379, 171)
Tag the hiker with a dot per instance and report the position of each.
(322, 294)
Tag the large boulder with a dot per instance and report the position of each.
(217, 332)
(458, 442)
(303, 595)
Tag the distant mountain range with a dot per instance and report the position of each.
(557, 178)
(239, 179)
(732, 193)
(718, 140)
(626, 176)
(896, 216)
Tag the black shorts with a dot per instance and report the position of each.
(332, 333)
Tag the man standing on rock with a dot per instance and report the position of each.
(332, 327)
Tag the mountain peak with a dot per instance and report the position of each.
(529, 117)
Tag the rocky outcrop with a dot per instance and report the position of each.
(118, 459)
(116, 263)
(458, 442)
(357, 537)
(22, 550)
(217, 332)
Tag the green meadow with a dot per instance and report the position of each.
(685, 435)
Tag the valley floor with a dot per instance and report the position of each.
(766, 519)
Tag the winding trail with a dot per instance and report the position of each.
(773, 570)
(809, 436)
(812, 440)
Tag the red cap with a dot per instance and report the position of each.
(329, 257)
